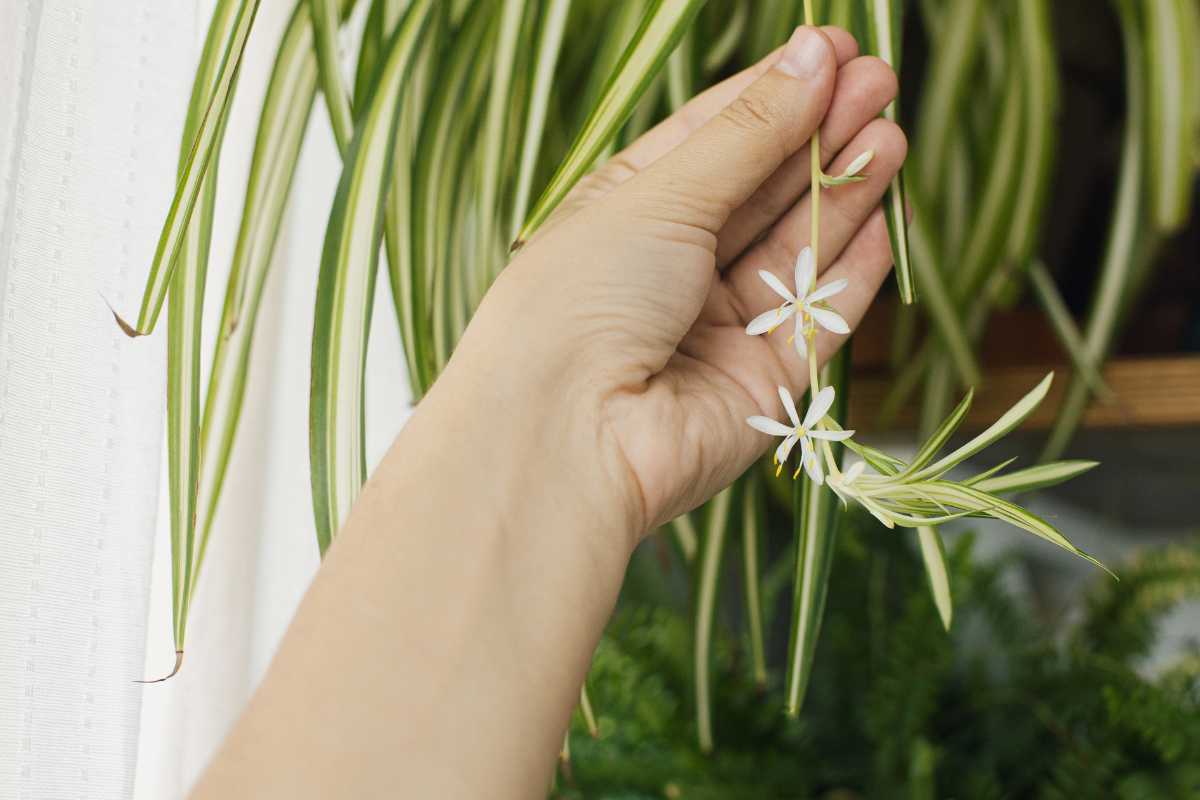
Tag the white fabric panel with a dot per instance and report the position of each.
(91, 103)
(263, 551)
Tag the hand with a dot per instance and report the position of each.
(601, 388)
(623, 320)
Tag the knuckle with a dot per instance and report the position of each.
(753, 113)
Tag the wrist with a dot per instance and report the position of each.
(528, 447)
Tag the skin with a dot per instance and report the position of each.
(600, 390)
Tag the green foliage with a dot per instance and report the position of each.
(1006, 705)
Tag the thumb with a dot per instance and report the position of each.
(716, 169)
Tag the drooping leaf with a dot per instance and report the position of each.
(206, 122)
(663, 24)
(707, 583)
(1125, 235)
(346, 287)
(884, 26)
(816, 519)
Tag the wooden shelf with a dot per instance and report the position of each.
(1152, 392)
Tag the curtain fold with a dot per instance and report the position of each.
(89, 117)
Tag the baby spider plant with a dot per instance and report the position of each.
(918, 494)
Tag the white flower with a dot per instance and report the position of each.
(807, 306)
(804, 432)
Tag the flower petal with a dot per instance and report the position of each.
(829, 320)
(819, 408)
(798, 339)
(832, 436)
(805, 272)
(856, 166)
(776, 285)
(789, 405)
(812, 464)
(785, 449)
(768, 320)
(853, 472)
(769, 426)
(827, 291)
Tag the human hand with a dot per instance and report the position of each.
(619, 330)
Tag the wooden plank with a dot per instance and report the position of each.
(1153, 392)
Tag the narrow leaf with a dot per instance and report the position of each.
(345, 290)
(1068, 334)
(1007, 422)
(202, 144)
(933, 554)
(884, 28)
(1121, 249)
(817, 514)
(1038, 477)
(663, 24)
(707, 583)
(752, 577)
(1170, 49)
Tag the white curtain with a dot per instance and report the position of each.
(92, 95)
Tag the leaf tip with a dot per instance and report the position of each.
(172, 673)
(125, 327)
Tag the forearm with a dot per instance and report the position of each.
(441, 647)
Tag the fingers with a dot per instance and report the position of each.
(694, 114)
(844, 209)
(864, 88)
(690, 117)
(716, 169)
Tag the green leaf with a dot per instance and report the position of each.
(937, 440)
(326, 22)
(345, 289)
(884, 29)
(1001, 427)
(707, 583)
(1068, 334)
(287, 107)
(686, 537)
(945, 88)
(663, 24)
(933, 554)
(942, 310)
(1037, 477)
(410, 295)
(493, 137)
(185, 315)
(968, 497)
(439, 164)
(816, 519)
(1170, 49)
(1040, 72)
(1125, 236)
(552, 25)
(752, 575)
(206, 116)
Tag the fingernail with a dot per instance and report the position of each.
(804, 55)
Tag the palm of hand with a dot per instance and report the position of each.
(657, 314)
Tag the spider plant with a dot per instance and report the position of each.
(446, 167)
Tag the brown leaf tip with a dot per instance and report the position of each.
(125, 327)
(173, 673)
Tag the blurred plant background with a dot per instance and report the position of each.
(1052, 173)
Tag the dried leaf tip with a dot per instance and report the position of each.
(173, 672)
(125, 327)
